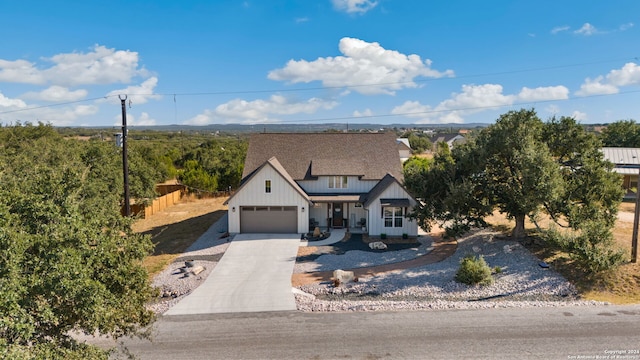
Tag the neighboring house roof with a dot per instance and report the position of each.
(446, 138)
(405, 142)
(626, 160)
(275, 164)
(309, 155)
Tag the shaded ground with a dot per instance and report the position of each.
(354, 242)
(175, 228)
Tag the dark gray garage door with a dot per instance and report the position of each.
(269, 219)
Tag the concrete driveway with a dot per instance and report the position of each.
(253, 275)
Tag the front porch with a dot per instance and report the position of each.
(338, 212)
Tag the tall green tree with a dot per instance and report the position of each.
(521, 174)
(520, 166)
(591, 190)
(419, 144)
(69, 260)
(623, 133)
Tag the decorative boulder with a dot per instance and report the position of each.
(342, 277)
(197, 270)
(378, 245)
(316, 232)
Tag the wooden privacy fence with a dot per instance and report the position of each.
(171, 195)
(158, 204)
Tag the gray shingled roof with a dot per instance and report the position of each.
(308, 155)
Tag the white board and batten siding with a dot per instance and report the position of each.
(321, 185)
(282, 194)
(376, 219)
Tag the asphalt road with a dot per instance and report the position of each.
(606, 332)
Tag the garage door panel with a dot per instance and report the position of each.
(268, 219)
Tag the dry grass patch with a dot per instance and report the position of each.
(174, 229)
(619, 286)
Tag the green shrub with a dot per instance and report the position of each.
(383, 236)
(593, 249)
(497, 270)
(474, 270)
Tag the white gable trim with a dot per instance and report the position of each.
(376, 218)
(283, 193)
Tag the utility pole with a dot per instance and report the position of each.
(636, 219)
(125, 164)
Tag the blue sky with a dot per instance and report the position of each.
(314, 61)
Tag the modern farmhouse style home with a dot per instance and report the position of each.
(293, 182)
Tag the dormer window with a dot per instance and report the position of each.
(337, 182)
(267, 186)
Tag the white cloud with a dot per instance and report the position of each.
(596, 87)
(99, 66)
(474, 96)
(412, 109)
(144, 120)
(58, 116)
(354, 6)
(259, 111)
(137, 94)
(552, 109)
(627, 75)
(544, 93)
(625, 27)
(559, 29)
(474, 99)
(57, 93)
(579, 115)
(6, 102)
(365, 112)
(20, 71)
(301, 20)
(587, 30)
(363, 63)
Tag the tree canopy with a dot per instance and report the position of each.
(69, 260)
(521, 166)
(623, 133)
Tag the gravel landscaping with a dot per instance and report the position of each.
(521, 282)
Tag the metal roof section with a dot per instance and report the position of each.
(626, 160)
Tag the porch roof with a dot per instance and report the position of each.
(349, 198)
(625, 171)
(395, 202)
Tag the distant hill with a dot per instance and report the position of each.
(238, 128)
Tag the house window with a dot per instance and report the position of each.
(337, 182)
(267, 186)
(393, 216)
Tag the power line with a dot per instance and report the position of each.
(186, 94)
(427, 112)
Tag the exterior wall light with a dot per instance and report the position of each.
(233, 209)
(303, 209)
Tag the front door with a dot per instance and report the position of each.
(337, 215)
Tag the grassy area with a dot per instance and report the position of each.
(620, 286)
(174, 229)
